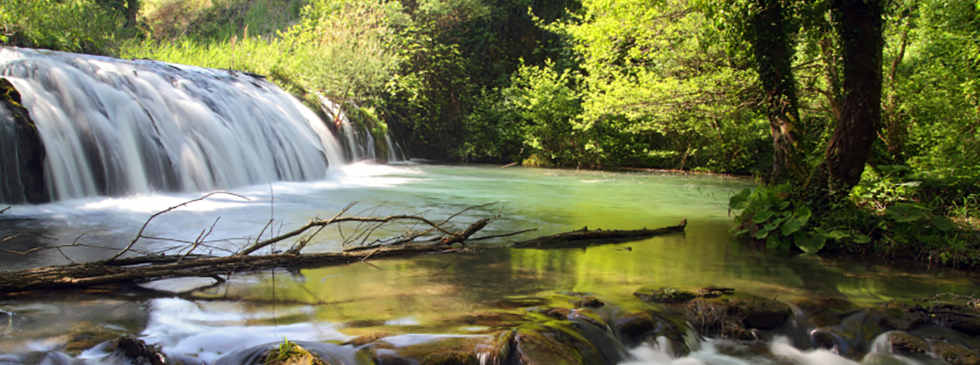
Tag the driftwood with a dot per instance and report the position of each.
(584, 235)
(412, 241)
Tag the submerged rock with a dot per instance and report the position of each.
(440, 349)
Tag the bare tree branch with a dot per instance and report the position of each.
(157, 214)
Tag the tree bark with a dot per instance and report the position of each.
(774, 58)
(859, 24)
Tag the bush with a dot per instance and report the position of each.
(69, 25)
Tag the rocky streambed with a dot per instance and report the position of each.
(658, 325)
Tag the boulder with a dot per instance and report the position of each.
(21, 151)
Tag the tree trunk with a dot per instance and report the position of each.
(773, 58)
(859, 24)
(132, 11)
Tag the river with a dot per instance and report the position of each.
(427, 294)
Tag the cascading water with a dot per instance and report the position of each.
(114, 127)
(358, 142)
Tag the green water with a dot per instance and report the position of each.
(435, 293)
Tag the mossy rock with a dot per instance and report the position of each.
(132, 350)
(665, 295)
(490, 319)
(553, 344)
(588, 315)
(761, 313)
(85, 335)
(900, 317)
(537, 161)
(967, 323)
(290, 353)
(366, 339)
(710, 318)
(443, 350)
(904, 343)
(955, 354)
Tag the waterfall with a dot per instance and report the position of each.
(358, 141)
(115, 127)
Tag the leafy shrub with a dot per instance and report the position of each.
(67, 25)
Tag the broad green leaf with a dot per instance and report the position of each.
(791, 226)
(772, 242)
(860, 238)
(740, 200)
(771, 226)
(782, 205)
(809, 243)
(762, 216)
(942, 224)
(835, 234)
(803, 213)
(904, 213)
(742, 231)
(761, 234)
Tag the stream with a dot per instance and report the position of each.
(428, 298)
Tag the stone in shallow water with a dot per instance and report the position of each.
(955, 354)
(761, 313)
(904, 343)
(900, 317)
(665, 295)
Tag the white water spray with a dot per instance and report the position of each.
(116, 127)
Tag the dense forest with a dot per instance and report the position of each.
(861, 118)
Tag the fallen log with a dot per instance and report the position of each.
(155, 267)
(585, 236)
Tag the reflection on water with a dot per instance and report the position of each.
(436, 293)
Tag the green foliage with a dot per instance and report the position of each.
(769, 216)
(65, 25)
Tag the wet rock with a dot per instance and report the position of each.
(558, 313)
(514, 303)
(491, 319)
(555, 343)
(899, 317)
(824, 312)
(86, 335)
(634, 325)
(134, 351)
(852, 336)
(21, 151)
(967, 323)
(587, 315)
(589, 302)
(299, 352)
(955, 354)
(366, 339)
(761, 314)
(904, 343)
(440, 350)
(664, 295)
